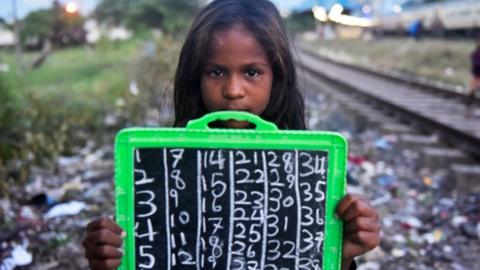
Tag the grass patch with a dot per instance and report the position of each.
(447, 61)
(80, 94)
(51, 110)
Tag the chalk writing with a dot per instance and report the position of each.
(229, 208)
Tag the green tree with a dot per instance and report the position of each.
(300, 22)
(171, 16)
(146, 13)
(37, 24)
(48, 23)
(113, 11)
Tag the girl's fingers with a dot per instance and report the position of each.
(366, 240)
(104, 223)
(353, 206)
(362, 224)
(105, 264)
(103, 253)
(346, 202)
(102, 237)
(358, 243)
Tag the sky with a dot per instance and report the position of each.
(287, 4)
(26, 6)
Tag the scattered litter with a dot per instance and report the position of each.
(65, 209)
(27, 212)
(433, 237)
(48, 266)
(425, 225)
(369, 266)
(396, 252)
(386, 180)
(381, 200)
(411, 222)
(42, 201)
(120, 102)
(19, 257)
(469, 230)
(68, 161)
(459, 220)
(449, 71)
(133, 87)
(4, 67)
(382, 143)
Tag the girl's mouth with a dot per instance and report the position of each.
(236, 109)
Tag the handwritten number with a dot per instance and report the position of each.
(153, 207)
(150, 257)
(255, 204)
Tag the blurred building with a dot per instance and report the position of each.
(399, 17)
(438, 17)
(349, 5)
(7, 37)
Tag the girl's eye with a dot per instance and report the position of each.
(252, 73)
(216, 73)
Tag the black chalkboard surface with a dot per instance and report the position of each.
(200, 198)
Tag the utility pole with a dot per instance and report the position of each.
(18, 48)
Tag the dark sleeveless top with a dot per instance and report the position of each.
(476, 63)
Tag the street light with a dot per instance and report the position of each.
(320, 13)
(335, 11)
(366, 9)
(335, 15)
(71, 7)
(397, 8)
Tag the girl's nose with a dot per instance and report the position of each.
(233, 89)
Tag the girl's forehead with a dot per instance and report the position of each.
(235, 39)
(237, 31)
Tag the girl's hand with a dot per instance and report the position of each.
(103, 244)
(361, 229)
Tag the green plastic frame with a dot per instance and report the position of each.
(197, 134)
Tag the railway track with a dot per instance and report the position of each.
(429, 110)
(435, 87)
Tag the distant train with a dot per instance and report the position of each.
(451, 17)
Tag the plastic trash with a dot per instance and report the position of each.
(382, 143)
(65, 209)
(18, 257)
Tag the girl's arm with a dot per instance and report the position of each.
(361, 229)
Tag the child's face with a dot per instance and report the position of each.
(238, 75)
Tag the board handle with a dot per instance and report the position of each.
(260, 124)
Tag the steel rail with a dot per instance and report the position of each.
(436, 88)
(452, 135)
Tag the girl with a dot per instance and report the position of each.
(237, 57)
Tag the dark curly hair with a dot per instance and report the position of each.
(260, 17)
